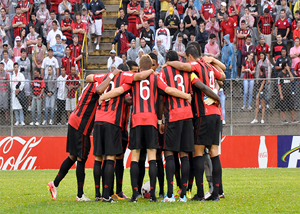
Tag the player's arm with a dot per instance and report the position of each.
(90, 78)
(101, 88)
(215, 62)
(142, 75)
(180, 65)
(160, 112)
(113, 93)
(207, 90)
(177, 93)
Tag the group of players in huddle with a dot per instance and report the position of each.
(176, 112)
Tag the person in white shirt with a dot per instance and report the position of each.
(50, 60)
(51, 37)
(17, 85)
(164, 34)
(113, 59)
(61, 96)
(8, 63)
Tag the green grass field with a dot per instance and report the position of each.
(246, 191)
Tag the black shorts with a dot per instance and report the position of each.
(124, 140)
(179, 136)
(287, 104)
(78, 144)
(107, 139)
(208, 130)
(143, 137)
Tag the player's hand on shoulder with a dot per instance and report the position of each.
(208, 59)
(116, 71)
(190, 98)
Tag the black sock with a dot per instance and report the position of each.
(170, 170)
(134, 171)
(160, 175)
(141, 175)
(208, 171)
(109, 175)
(80, 177)
(185, 169)
(152, 175)
(64, 168)
(199, 170)
(119, 174)
(97, 176)
(191, 173)
(177, 170)
(221, 184)
(216, 174)
(103, 175)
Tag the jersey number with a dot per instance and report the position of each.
(144, 88)
(180, 84)
(212, 80)
(112, 86)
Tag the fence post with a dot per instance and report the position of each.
(11, 113)
(231, 95)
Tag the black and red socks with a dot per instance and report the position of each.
(119, 171)
(64, 168)
(134, 172)
(80, 174)
(97, 177)
(170, 170)
(109, 176)
(199, 170)
(160, 176)
(185, 169)
(216, 175)
(152, 175)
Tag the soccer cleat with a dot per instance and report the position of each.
(37, 123)
(97, 47)
(139, 196)
(262, 121)
(254, 121)
(133, 200)
(109, 200)
(44, 122)
(197, 198)
(122, 195)
(17, 123)
(50, 122)
(207, 194)
(161, 195)
(166, 199)
(249, 108)
(285, 122)
(243, 107)
(182, 199)
(53, 190)
(178, 193)
(211, 198)
(32, 123)
(222, 195)
(116, 197)
(154, 199)
(188, 194)
(98, 199)
(83, 198)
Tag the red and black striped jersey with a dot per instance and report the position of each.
(81, 25)
(277, 50)
(125, 118)
(144, 97)
(178, 109)
(83, 117)
(251, 66)
(241, 41)
(76, 50)
(149, 12)
(207, 74)
(265, 24)
(67, 62)
(66, 23)
(38, 84)
(71, 80)
(132, 18)
(25, 4)
(111, 110)
(259, 48)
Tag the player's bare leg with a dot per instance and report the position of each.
(109, 175)
(151, 153)
(97, 176)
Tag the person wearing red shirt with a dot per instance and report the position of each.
(25, 7)
(133, 13)
(149, 15)
(54, 5)
(18, 22)
(206, 9)
(67, 61)
(262, 47)
(282, 27)
(207, 120)
(234, 11)
(66, 27)
(123, 37)
(242, 34)
(76, 52)
(294, 23)
(79, 28)
(296, 32)
(266, 26)
(228, 26)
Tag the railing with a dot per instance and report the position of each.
(238, 119)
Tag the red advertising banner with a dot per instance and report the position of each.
(24, 153)
(249, 151)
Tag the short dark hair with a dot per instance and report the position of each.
(297, 38)
(131, 64)
(63, 67)
(153, 56)
(180, 35)
(54, 21)
(3, 9)
(172, 2)
(67, 11)
(172, 56)
(5, 51)
(282, 10)
(297, 11)
(23, 50)
(191, 50)
(243, 21)
(212, 36)
(197, 46)
(78, 13)
(266, 10)
(283, 65)
(283, 49)
(57, 35)
(30, 25)
(33, 13)
(121, 8)
(1, 63)
(16, 64)
(39, 36)
(5, 45)
(248, 36)
(67, 47)
(37, 70)
(123, 67)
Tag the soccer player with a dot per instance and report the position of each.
(107, 134)
(179, 125)
(144, 121)
(207, 121)
(81, 123)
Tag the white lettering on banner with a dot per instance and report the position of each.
(13, 163)
(294, 156)
(262, 153)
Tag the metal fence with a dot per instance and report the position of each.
(234, 99)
